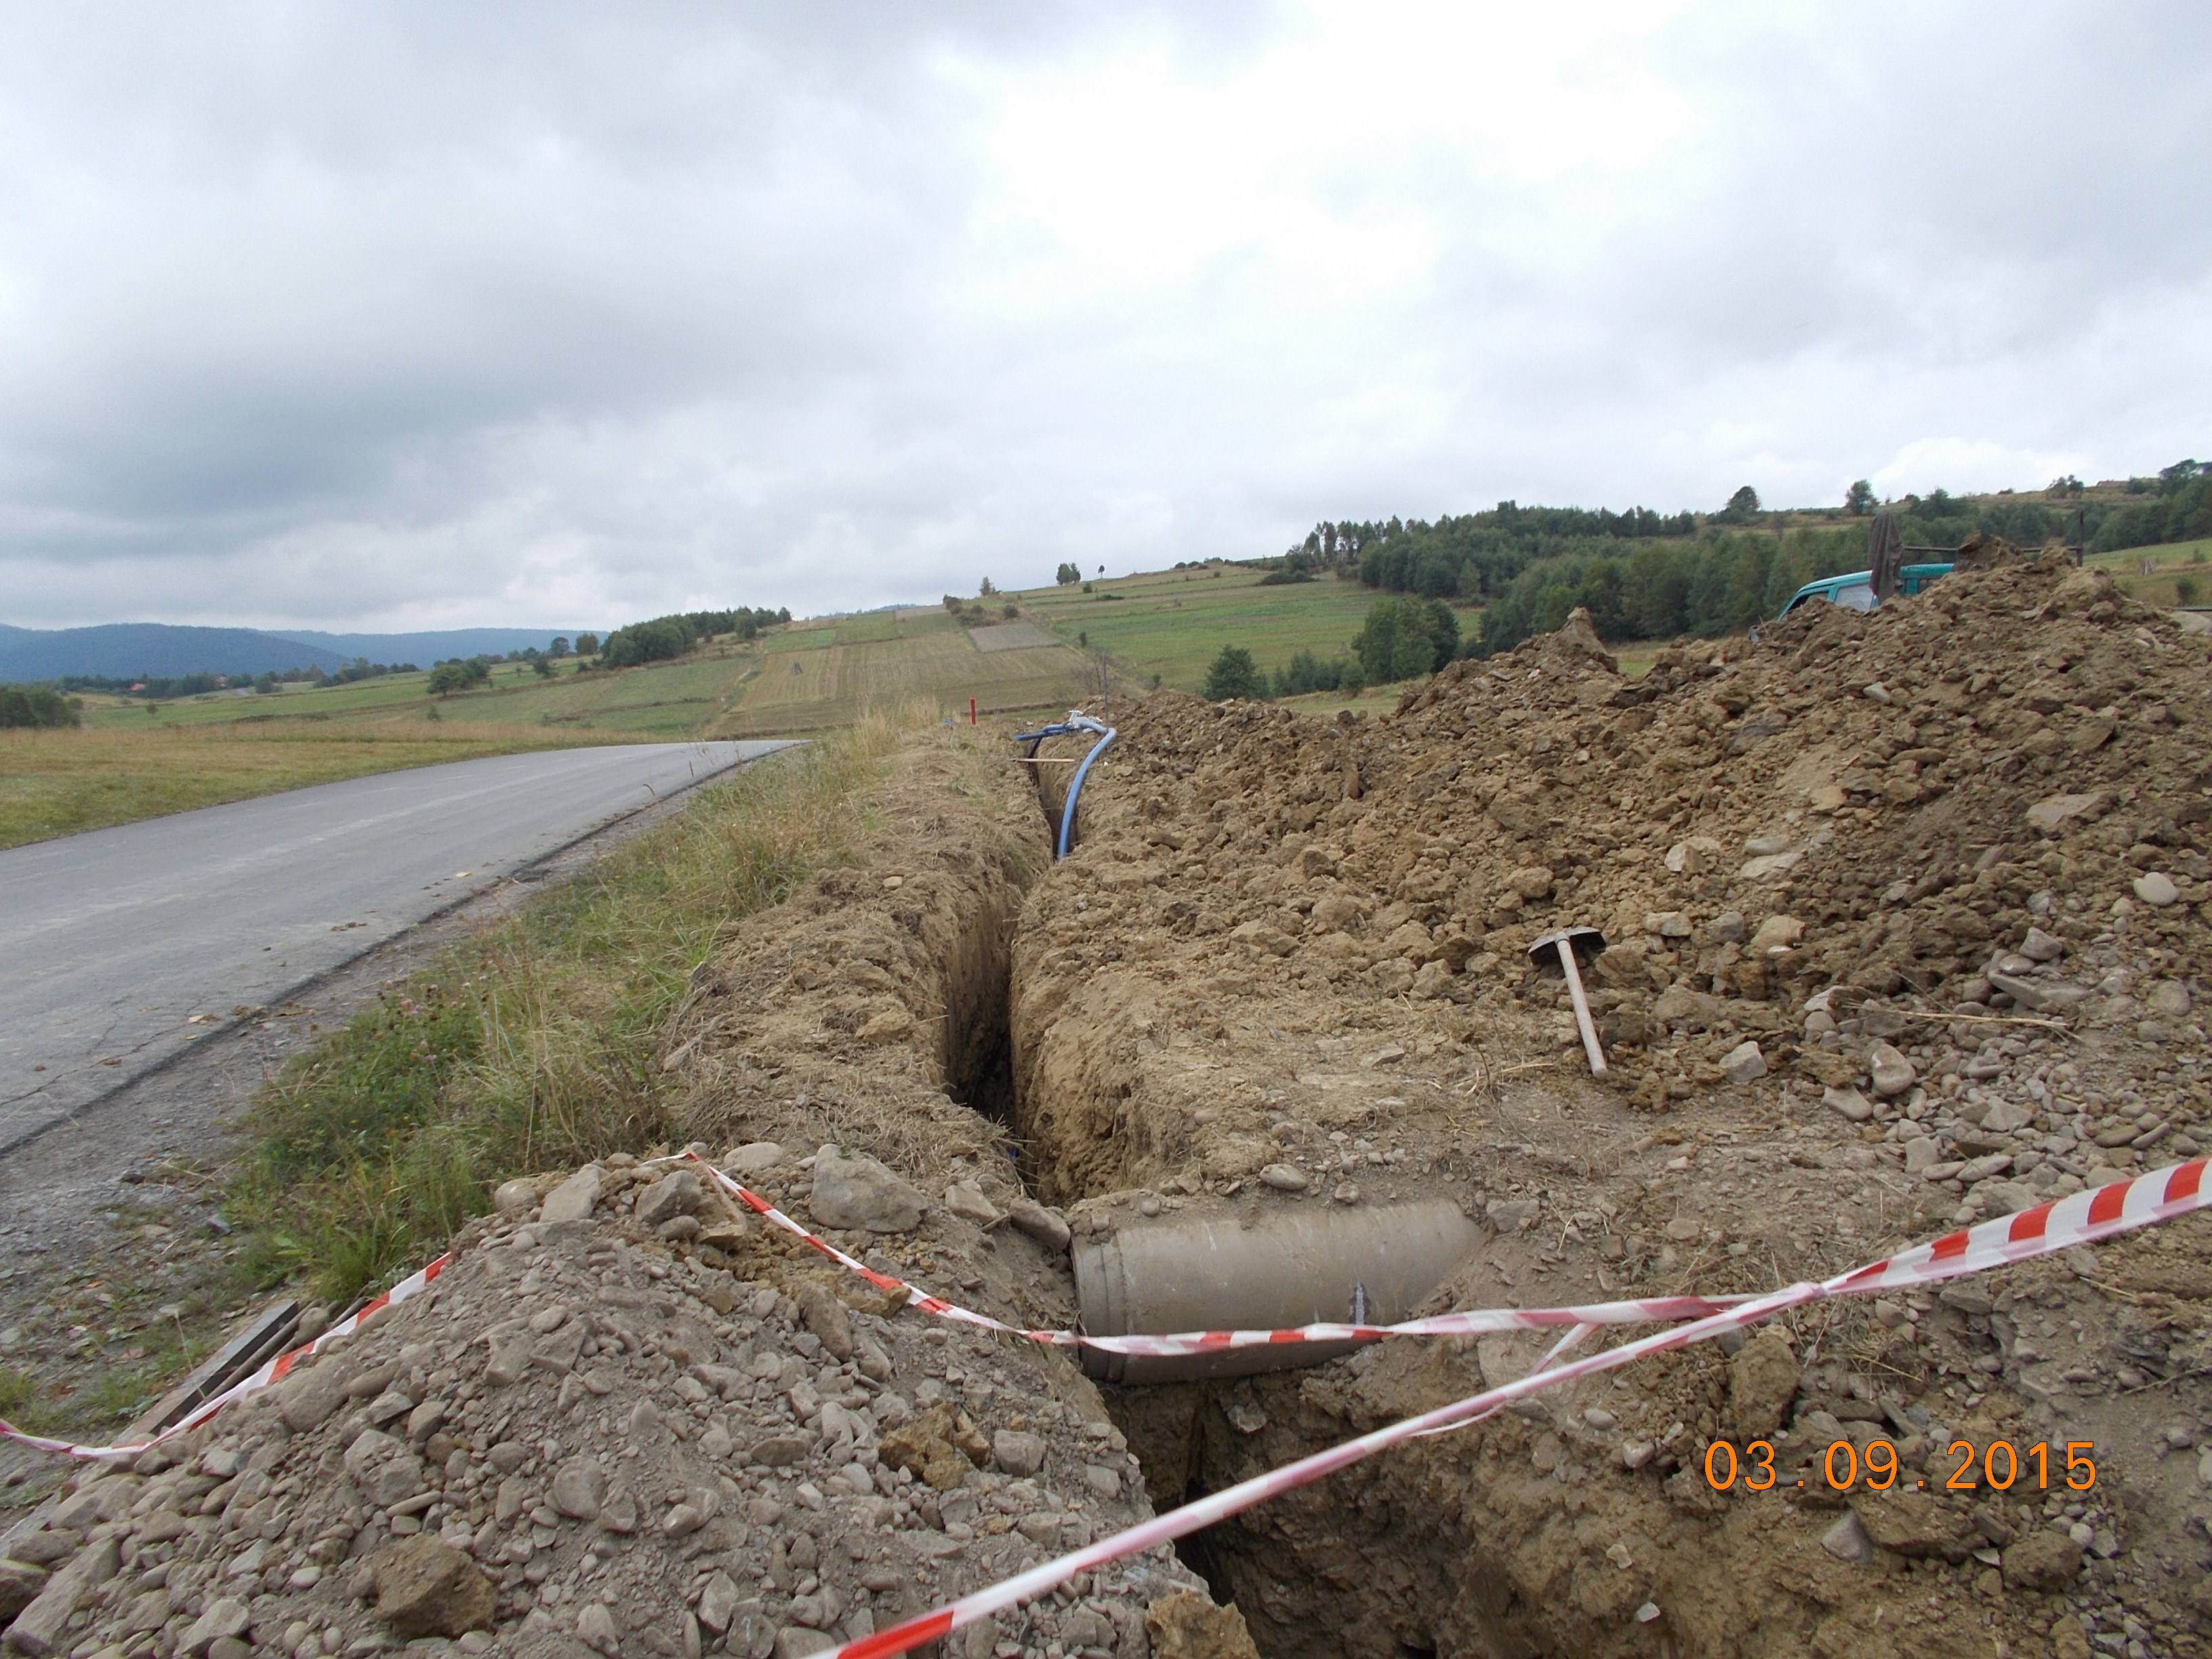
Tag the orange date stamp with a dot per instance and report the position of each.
(1844, 1466)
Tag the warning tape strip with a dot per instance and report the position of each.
(1477, 1321)
(2083, 1219)
(272, 1372)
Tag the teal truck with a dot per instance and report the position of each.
(1856, 590)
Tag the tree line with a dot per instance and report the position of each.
(1645, 576)
(660, 638)
(37, 707)
(1401, 639)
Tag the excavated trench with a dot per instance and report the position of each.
(1354, 1566)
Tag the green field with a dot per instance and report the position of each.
(1173, 623)
(2162, 575)
(661, 701)
(60, 782)
(815, 678)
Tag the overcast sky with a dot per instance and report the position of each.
(409, 316)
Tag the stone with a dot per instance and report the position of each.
(1847, 1539)
(514, 1198)
(2007, 1117)
(778, 1451)
(893, 1024)
(580, 1487)
(1668, 924)
(425, 1587)
(618, 1514)
(1693, 856)
(681, 1520)
(858, 1192)
(310, 1396)
(1433, 981)
(1038, 1221)
(2155, 888)
(1678, 1005)
(2045, 1560)
(1745, 1063)
(2038, 994)
(754, 1158)
(1284, 1178)
(1726, 928)
(574, 1198)
(794, 1641)
(965, 1199)
(1017, 1452)
(1776, 933)
(1892, 1071)
(1915, 1523)
(1530, 881)
(21, 1582)
(1763, 1379)
(42, 1627)
(938, 1446)
(2168, 999)
(1920, 1153)
(49, 1546)
(369, 1447)
(677, 1193)
(595, 1629)
(1982, 1169)
(2039, 947)
(1847, 1103)
(225, 1617)
(717, 1601)
(1510, 1215)
(1186, 1625)
(2054, 813)
(1774, 864)
(824, 1315)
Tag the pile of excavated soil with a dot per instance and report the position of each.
(1906, 927)
(632, 1423)
(629, 1417)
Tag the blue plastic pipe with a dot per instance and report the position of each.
(1075, 722)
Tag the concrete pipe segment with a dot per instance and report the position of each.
(1219, 1273)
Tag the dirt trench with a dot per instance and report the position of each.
(1903, 936)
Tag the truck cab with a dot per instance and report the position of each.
(1856, 590)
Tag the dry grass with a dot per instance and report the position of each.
(532, 1046)
(838, 681)
(58, 783)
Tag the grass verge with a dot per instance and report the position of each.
(532, 1045)
(59, 783)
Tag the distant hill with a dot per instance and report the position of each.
(424, 649)
(122, 649)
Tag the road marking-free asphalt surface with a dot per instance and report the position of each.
(113, 940)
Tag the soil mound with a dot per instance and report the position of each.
(1905, 921)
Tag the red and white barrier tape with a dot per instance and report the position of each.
(267, 1376)
(1478, 1322)
(2083, 1219)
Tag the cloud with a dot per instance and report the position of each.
(413, 317)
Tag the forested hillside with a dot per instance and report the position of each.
(1645, 575)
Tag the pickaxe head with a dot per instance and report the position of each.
(1585, 942)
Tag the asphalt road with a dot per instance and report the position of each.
(112, 941)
